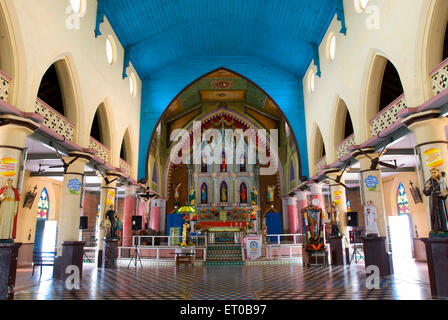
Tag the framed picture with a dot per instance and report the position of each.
(415, 192)
(29, 198)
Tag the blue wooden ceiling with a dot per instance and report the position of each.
(160, 33)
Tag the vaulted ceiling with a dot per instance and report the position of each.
(159, 33)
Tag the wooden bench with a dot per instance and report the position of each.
(41, 259)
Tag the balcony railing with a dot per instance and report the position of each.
(4, 86)
(439, 77)
(388, 116)
(125, 166)
(321, 164)
(102, 152)
(342, 148)
(55, 121)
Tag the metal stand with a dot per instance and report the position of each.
(357, 256)
(86, 257)
(135, 257)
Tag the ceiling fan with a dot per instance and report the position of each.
(376, 161)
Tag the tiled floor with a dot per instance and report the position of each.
(258, 281)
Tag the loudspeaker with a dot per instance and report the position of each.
(352, 219)
(137, 223)
(83, 223)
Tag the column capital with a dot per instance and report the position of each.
(427, 129)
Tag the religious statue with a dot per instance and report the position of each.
(313, 218)
(334, 220)
(176, 193)
(111, 216)
(223, 163)
(204, 194)
(9, 197)
(243, 193)
(253, 195)
(370, 217)
(270, 193)
(191, 196)
(437, 206)
(223, 192)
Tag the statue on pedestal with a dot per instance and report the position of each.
(191, 196)
(334, 220)
(253, 195)
(176, 193)
(370, 217)
(437, 206)
(9, 197)
(313, 218)
(270, 193)
(111, 216)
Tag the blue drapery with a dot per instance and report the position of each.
(174, 221)
(273, 224)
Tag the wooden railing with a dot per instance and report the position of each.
(439, 77)
(321, 164)
(387, 117)
(125, 166)
(102, 152)
(55, 121)
(342, 148)
(4, 86)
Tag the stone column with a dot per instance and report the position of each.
(162, 219)
(156, 207)
(376, 249)
(285, 218)
(107, 198)
(130, 200)
(337, 195)
(316, 193)
(69, 217)
(302, 202)
(431, 142)
(13, 134)
(292, 215)
(432, 146)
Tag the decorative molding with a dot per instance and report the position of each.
(388, 116)
(342, 149)
(55, 121)
(125, 166)
(101, 151)
(439, 77)
(4, 86)
(321, 164)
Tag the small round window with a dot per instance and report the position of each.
(331, 49)
(311, 80)
(361, 5)
(132, 85)
(111, 51)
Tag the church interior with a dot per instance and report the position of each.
(147, 148)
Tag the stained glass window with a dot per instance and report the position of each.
(349, 206)
(43, 205)
(402, 200)
(292, 174)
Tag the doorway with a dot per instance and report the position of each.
(401, 237)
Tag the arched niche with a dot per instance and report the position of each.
(319, 145)
(383, 87)
(343, 125)
(100, 129)
(437, 36)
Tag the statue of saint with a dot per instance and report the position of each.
(436, 202)
(243, 193)
(111, 216)
(176, 193)
(224, 192)
(370, 217)
(334, 220)
(253, 195)
(191, 196)
(223, 163)
(270, 193)
(9, 197)
(204, 194)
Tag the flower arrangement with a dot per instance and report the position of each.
(184, 244)
(142, 233)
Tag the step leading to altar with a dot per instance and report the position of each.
(224, 254)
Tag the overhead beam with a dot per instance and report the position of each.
(401, 169)
(42, 156)
(399, 152)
